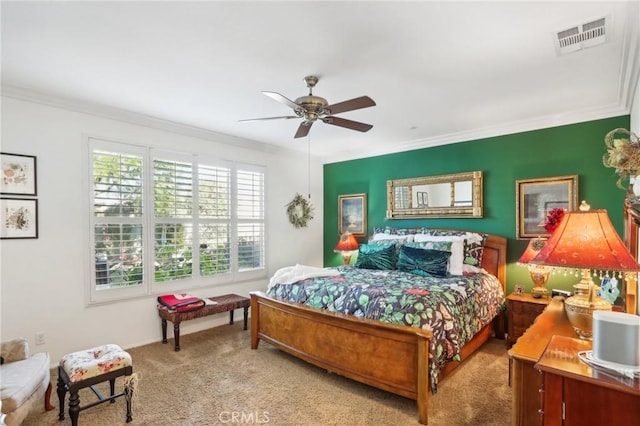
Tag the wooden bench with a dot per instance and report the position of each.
(227, 302)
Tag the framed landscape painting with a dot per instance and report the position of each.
(352, 214)
(18, 174)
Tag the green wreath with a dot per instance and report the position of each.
(300, 211)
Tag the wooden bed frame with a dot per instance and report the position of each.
(390, 357)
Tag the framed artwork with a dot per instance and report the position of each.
(18, 174)
(18, 218)
(352, 214)
(536, 197)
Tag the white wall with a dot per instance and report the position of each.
(635, 111)
(44, 281)
(635, 103)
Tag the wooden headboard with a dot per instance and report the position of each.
(494, 257)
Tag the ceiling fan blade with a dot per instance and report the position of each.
(349, 124)
(283, 99)
(350, 105)
(287, 117)
(303, 129)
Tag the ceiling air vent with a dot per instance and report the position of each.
(581, 36)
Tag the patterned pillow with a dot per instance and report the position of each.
(377, 256)
(443, 244)
(392, 237)
(473, 243)
(392, 231)
(424, 262)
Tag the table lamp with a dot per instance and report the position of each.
(346, 246)
(539, 273)
(586, 240)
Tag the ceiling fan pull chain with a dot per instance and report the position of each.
(309, 165)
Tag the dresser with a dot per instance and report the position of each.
(574, 394)
(525, 379)
(632, 240)
(522, 310)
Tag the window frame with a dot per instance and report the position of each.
(149, 286)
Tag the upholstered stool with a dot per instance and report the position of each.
(87, 368)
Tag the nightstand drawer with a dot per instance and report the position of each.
(522, 311)
(521, 321)
(526, 309)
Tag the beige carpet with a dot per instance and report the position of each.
(216, 379)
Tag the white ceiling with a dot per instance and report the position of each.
(439, 72)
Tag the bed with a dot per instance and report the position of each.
(394, 357)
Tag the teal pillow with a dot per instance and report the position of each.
(377, 256)
(425, 262)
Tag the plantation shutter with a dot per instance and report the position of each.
(250, 214)
(214, 203)
(173, 223)
(117, 219)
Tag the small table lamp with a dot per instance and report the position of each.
(539, 273)
(346, 246)
(586, 240)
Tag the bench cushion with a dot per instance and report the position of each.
(93, 362)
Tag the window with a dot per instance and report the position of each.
(162, 221)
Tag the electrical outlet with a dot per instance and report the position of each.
(40, 338)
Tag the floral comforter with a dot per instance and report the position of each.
(455, 308)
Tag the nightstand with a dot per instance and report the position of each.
(522, 310)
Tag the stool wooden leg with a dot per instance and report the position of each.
(246, 317)
(112, 388)
(231, 317)
(164, 330)
(128, 394)
(62, 390)
(74, 407)
(176, 335)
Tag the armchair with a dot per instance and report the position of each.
(24, 380)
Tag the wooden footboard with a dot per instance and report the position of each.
(389, 357)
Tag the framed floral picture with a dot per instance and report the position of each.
(352, 214)
(18, 174)
(18, 218)
(535, 198)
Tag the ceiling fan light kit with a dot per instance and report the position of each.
(312, 108)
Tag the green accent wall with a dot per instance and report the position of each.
(558, 151)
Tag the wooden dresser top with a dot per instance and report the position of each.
(561, 358)
(552, 321)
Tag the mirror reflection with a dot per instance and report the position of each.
(453, 195)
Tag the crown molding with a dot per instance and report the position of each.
(474, 134)
(537, 123)
(130, 117)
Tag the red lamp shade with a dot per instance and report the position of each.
(346, 246)
(532, 250)
(586, 239)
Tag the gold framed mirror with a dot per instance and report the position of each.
(453, 195)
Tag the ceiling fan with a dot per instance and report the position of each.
(312, 108)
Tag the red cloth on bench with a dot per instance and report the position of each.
(181, 302)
